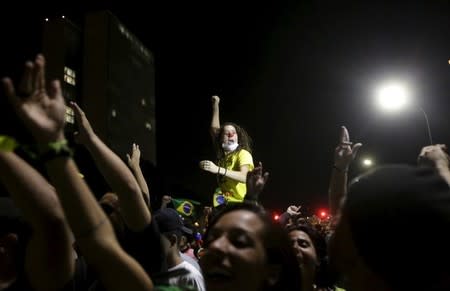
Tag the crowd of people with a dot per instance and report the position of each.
(385, 231)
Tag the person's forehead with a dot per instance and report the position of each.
(299, 234)
(229, 128)
(241, 219)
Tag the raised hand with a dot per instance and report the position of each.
(215, 99)
(42, 112)
(209, 166)
(256, 180)
(85, 131)
(294, 210)
(207, 210)
(134, 159)
(166, 199)
(434, 155)
(345, 152)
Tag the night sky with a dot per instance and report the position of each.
(290, 72)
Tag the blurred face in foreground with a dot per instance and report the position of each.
(235, 258)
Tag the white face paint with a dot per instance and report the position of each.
(229, 138)
(229, 147)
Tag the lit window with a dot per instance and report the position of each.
(70, 115)
(69, 76)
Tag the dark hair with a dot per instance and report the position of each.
(276, 243)
(324, 277)
(245, 142)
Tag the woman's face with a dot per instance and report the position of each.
(235, 258)
(229, 135)
(304, 250)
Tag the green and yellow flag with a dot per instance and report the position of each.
(185, 207)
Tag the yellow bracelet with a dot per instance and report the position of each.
(55, 150)
(7, 143)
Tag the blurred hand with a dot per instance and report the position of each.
(256, 181)
(166, 199)
(434, 155)
(85, 131)
(294, 210)
(135, 158)
(207, 210)
(209, 166)
(345, 153)
(42, 112)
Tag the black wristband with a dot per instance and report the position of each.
(56, 150)
(339, 169)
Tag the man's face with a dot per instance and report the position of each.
(235, 257)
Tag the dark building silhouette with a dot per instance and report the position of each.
(110, 74)
(119, 85)
(105, 69)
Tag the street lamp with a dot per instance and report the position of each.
(367, 162)
(394, 97)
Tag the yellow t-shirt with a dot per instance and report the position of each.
(230, 190)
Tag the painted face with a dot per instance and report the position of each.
(235, 257)
(304, 250)
(229, 135)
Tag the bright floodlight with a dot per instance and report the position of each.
(392, 97)
(367, 162)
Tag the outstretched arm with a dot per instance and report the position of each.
(50, 259)
(344, 154)
(43, 114)
(134, 209)
(215, 120)
(134, 164)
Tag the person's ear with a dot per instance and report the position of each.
(173, 239)
(183, 239)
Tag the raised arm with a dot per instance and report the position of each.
(166, 199)
(215, 120)
(49, 260)
(43, 114)
(134, 209)
(134, 164)
(344, 154)
(435, 156)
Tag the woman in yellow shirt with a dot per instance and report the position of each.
(234, 159)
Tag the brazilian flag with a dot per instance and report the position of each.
(185, 207)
